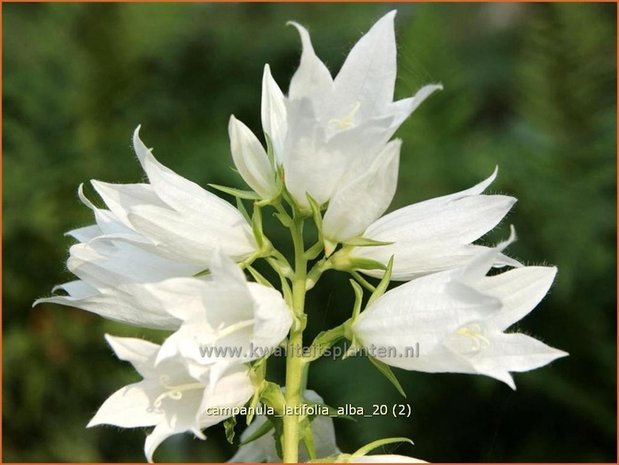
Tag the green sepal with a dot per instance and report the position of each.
(238, 193)
(324, 341)
(383, 284)
(316, 214)
(387, 373)
(343, 260)
(358, 299)
(229, 425)
(271, 395)
(204, 272)
(257, 374)
(307, 436)
(330, 247)
(313, 251)
(366, 242)
(270, 153)
(278, 426)
(378, 443)
(261, 431)
(358, 263)
(241, 207)
(260, 279)
(256, 226)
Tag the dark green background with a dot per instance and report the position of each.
(530, 87)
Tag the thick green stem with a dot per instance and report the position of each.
(294, 360)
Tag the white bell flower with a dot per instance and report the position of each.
(224, 321)
(457, 320)
(170, 397)
(436, 234)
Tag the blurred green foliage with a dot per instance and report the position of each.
(530, 87)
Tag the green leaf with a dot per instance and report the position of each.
(388, 373)
(238, 193)
(229, 425)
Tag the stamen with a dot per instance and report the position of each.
(474, 332)
(346, 121)
(223, 332)
(174, 392)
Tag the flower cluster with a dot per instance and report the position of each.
(171, 255)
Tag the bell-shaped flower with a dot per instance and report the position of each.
(109, 261)
(170, 397)
(263, 449)
(224, 321)
(111, 273)
(184, 222)
(456, 320)
(327, 132)
(433, 235)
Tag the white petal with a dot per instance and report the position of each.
(251, 160)
(190, 237)
(513, 352)
(133, 350)
(312, 79)
(436, 234)
(402, 109)
(424, 312)
(318, 163)
(232, 390)
(273, 112)
(161, 432)
(520, 290)
(112, 263)
(86, 233)
(354, 207)
(107, 222)
(180, 193)
(130, 407)
(77, 289)
(368, 74)
(120, 198)
(272, 318)
(225, 271)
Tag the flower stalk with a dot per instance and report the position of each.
(294, 355)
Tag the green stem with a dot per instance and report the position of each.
(294, 355)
